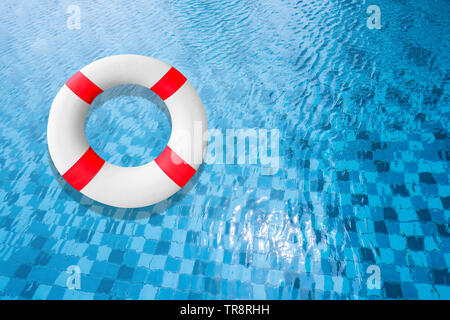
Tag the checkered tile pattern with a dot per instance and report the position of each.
(363, 184)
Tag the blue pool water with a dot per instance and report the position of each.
(363, 182)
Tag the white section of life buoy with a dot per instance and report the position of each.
(127, 187)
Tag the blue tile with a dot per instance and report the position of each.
(125, 273)
(363, 169)
(116, 256)
(105, 286)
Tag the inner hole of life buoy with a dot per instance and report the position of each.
(128, 125)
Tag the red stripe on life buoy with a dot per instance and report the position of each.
(178, 170)
(84, 88)
(79, 175)
(169, 83)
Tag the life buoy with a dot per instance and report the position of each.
(126, 187)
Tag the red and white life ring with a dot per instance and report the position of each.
(126, 187)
